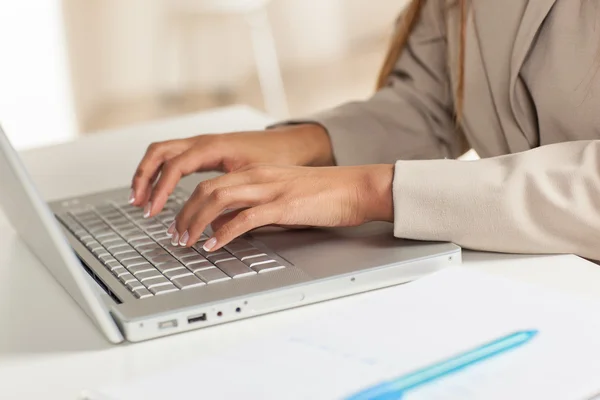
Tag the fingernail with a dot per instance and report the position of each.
(132, 197)
(147, 209)
(184, 238)
(171, 229)
(210, 244)
(175, 239)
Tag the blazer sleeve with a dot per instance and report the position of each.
(412, 117)
(545, 200)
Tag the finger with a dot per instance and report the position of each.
(223, 219)
(144, 200)
(221, 199)
(245, 221)
(170, 174)
(148, 169)
(203, 192)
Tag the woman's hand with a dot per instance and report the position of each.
(284, 195)
(165, 163)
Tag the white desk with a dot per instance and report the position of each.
(48, 347)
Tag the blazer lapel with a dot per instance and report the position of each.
(533, 18)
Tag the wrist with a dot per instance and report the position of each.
(378, 198)
(309, 145)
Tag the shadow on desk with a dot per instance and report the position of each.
(37, 315)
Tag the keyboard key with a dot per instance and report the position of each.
(114, 218)
(235, 268)
(200, 266)
(104, 208)
(91, 242)
(124, 226)
(134, 261)
(140, 241)
(150, 248)
(136, 214)
(157, 252)
(133, 234)
(79, 232)
(83, 214)
(160, 290)
(193, 260)
(127, 256)
(112, 247)
(166, 243)
(177, 273)
(99, 250)
(107, 234)
(160, 235)
(150, 278)
(198, 247)
(163, 259)
(168, 219)
(268, 267)
(106, 258)
(136, 269)
(188, 282)
(156, 282)
(115, 239)
(112, 265)
(147, 274)
(238, 245)
(121, 249)
(100, 228)
(212, 275)
(254, 261)
(119, 271)
(126, 278)
(101, 253)
(108, 238)
(156, 229)
(148, 224)
(219, 257)
(90, 222)
(183, 252)
(168, 266)
(142, 293)
(116, 243)
(248, 254)
(133, 285)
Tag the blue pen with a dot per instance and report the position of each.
(394, 389)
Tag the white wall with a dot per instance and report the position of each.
(120, 48)
(36, 106)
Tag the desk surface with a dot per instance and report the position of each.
(48, 347)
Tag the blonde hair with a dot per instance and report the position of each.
(406, 23)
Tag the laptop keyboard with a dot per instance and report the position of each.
(139, 253)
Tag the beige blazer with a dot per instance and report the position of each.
(532, 112)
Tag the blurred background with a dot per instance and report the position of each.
(75, 67)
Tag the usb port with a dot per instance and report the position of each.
(167, 324)
(197, 318)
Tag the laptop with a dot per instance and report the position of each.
(134, 285)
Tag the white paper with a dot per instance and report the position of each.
(399, 330)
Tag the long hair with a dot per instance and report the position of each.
(405, 25)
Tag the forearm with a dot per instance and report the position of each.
(310, 145)
(540, 201)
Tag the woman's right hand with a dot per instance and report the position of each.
(165, 163)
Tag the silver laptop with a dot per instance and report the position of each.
(123, 272)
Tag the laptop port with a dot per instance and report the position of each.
(197, 318)
(167, 324)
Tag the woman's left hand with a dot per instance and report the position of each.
(284, 195)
